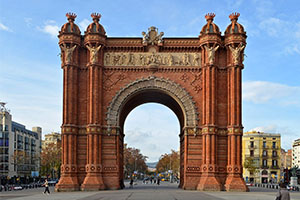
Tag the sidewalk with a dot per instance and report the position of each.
(165, 191)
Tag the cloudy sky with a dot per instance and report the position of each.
(31, 78)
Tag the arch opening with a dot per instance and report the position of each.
(153, 129)
(172, 107)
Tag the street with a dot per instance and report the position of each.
(165, 191)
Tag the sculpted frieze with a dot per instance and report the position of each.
(152, 58)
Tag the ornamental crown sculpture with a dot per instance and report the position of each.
(234, 16)
(96, 16)
(71, 16)
(152, 37)
(210, 16)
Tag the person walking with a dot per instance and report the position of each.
(46, 184)
(131, 183)
(283, 193)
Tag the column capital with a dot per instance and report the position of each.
(93, 129)
(237, 130)
(69, 129)
(209, 130)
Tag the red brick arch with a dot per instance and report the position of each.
(175, 91)
(198, 78)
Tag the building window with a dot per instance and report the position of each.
(274, 145)
(251, 153)
(274, 153)
(274, 163)
(264, 144)
(251, 144)
(265, 153)
(265, 163)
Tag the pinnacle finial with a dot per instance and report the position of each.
(234, 16)
(210, 16)
(71, 16)
(96, 16)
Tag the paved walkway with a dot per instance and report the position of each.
(165, 191)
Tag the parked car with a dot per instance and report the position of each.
(249, 184)
(17, 187)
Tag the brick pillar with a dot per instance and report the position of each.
(93, 179)
(234, 180)
(209, 178)
(69, 180)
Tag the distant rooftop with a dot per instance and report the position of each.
(261, 134)
(21, 128)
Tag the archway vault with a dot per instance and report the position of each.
(154, 85)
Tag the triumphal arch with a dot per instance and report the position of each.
(198, 78)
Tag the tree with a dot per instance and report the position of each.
(134, 160)
(250, 165)
(20, 158)
(169, 162)
(51, 160)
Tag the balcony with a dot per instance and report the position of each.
(264, 167)
(274, 167)
(254, 157)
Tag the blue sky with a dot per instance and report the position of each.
(31, 78)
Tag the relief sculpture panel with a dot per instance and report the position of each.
(147, 58)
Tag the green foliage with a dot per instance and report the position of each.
(51, 160)
(169, 162)
(134, 161)
(250, 165)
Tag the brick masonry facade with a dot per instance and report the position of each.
(198, 78)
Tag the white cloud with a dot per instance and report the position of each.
(4, 28)
(28, 21)
(152, 128)
(50, 28)
(287, 135)
(297, 32)
(263, 92)
(273, 26)
(292, 49)
(84, 24)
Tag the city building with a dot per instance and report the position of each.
(296, 153)
(51, 138)
(289, 158)
(263, 150)
(286, 159)
(20, 148)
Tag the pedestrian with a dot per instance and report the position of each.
(131, 183)
(46, 187)
(158, 181)
(151, 179)
(283, 193)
